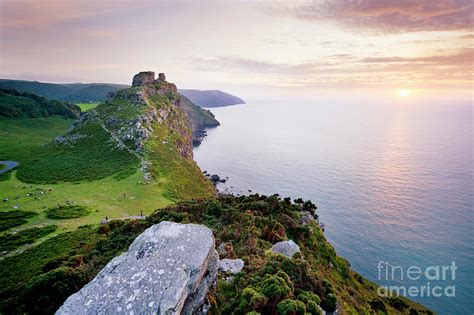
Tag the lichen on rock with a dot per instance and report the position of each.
(168, 269)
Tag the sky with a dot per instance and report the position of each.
(244, 47)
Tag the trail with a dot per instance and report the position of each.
(144, 163)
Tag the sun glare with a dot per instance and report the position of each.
(404, 92)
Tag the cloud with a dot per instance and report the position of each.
(465, 56)
(390, 16)
(350, 70)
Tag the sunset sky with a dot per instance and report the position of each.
(243, 46)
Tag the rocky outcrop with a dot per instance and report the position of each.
(287, 248)
(167, 270)
(143, 78)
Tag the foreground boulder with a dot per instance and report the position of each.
(168, 269)
(287, 248)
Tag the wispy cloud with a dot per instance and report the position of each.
(390, 16)
(347, 70)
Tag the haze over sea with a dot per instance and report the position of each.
(393, 179)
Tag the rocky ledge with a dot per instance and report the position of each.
(168, 269)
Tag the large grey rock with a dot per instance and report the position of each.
(233, 266)
(167, 270)
(287, 248)
(143, 78)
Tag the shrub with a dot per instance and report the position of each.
(398, 303)
(9, 219)
(67, 212)
(314, 308)
(291, 307)
(329, 303)
(11, 241)
(378, 305)
(252, 299)
(278, 285)
(50, 289)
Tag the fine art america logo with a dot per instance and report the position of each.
(430, 281)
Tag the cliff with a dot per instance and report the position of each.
(211, 98)
(143, 128)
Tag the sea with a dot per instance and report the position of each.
(392, 179)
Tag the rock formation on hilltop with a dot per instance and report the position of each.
(168, 269)
(145, 128)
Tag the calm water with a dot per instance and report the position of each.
(393, 181)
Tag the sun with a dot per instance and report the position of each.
(404, 92)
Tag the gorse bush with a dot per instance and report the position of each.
(9, 219)
(67, 212)
(11, 241)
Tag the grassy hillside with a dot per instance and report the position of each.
(22, 104)
(74, 92)
(316, 278)
(95, 162)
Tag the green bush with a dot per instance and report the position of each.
(291, 307)
(329, 303)
(252, 299)
(50, 289)
(9, 219)
(67, 212)
(11, 241)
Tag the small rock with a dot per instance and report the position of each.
(306, 218)
(215, 178)
(221, 249)
(287, 248)
(233, 266)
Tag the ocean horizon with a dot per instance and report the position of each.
(392, 180)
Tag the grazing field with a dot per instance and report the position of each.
(106, 197)
(87, 106)
(19, 137)
(111, 196)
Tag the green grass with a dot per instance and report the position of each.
(92, 172)
(87, 106)
(33, 275)
(21, 137)
(10, 219)
(12, 241)
(106, 195)
(92, 157)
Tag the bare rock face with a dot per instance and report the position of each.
(287, 248)
(167, 270)
(143, 78)
(161, 77)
